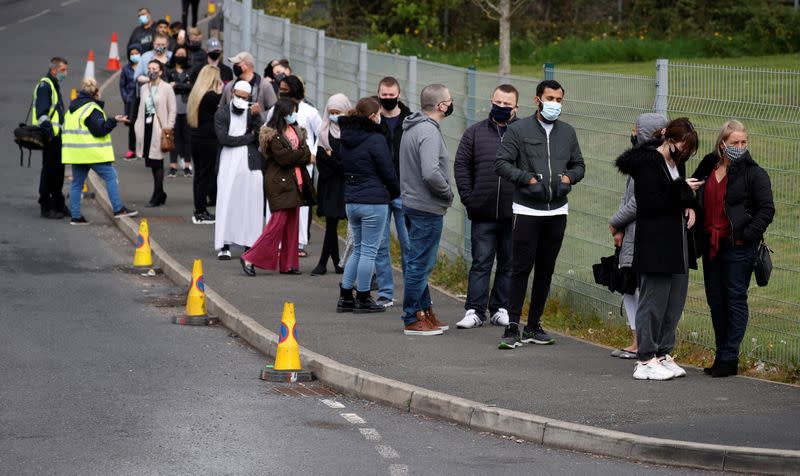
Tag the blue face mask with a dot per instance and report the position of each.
(291, 118)
(135, 58)
(334, 118)
(735, 153)
(550, 110)
(143, 19)
(61, 76)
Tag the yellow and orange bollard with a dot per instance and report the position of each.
(143, 256)
(196, 313)
(287, 367)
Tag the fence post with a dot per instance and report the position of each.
(287, 38)
(549, 71)
(662, 86)
(412, 84)
(362, 70)
(321, 69)
(247, 24)
(471, 93)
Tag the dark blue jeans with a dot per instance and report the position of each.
(424, 232)
(489, 239)
(726, 279)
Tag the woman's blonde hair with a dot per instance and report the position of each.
(728, 128)
(89, 86)
(207, 80)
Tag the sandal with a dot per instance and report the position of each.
(302, 253)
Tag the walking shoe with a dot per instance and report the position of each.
(172, 173)
(292, 271)
(726, 368)
(129, 156)
(510, 338)
(203, 218)
(422, 327)
(710, 370)
(318, 270)
(52, 214)
(346, 302)
(365, 304)
(78, 221)
(384, 301)
(669, 363)
(499, 318)
(224, 254)
(124, 212)
(652, 370)
(248, 268)
(187, 172)
(469, 320)
(537, 336)
(434, 321)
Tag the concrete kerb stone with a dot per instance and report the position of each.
(759, 460)
(521, 425)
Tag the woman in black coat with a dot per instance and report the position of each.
(330, 185)
(664, 202)
(737, 206)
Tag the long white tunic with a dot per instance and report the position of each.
(240, 194)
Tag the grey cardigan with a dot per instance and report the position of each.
(625, 219)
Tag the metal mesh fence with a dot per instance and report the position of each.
(602, 107)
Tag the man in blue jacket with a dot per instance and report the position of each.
(48, 113)
(541, 156)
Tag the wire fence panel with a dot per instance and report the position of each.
(341, 68)
(268, 42)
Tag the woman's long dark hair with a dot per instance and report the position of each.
(297, 90)
(173, 62)
(282, 108)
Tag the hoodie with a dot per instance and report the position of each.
(128, 88)
(95, 122)
(424, 166)
(368, 171)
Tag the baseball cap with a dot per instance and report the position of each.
(213, 44)
(243, 57)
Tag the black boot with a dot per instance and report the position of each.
(346, 302)
(710, 370)
(365, 304)
(725, 368)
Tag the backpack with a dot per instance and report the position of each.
(29, 137)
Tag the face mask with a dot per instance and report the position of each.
(160, 50)
(240, 103)
(449, 110)
(237, 70)
(501, 114)
(284, 95)
(181, 61)
(291, 118)
(550, 110)
(634, 140)
(676, 154)
(194, 45)
(334, 118)
(143, 19)
(154, 75)
(735, 153)
(280, 77)
(388, 104)
(236, 110)
(214, 55)
(61, 76)
(135, 58)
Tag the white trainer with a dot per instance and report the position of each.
(470, 320)
(500, 318)
(652, 370)
(669, 363)
(224, 255)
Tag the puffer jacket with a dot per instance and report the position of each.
(280, 180)
(369, 174)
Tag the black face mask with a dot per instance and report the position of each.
(676, 154)
(237, 70)
(214, 55)
(181, 61)
(501, 114)
(279, 77)
(449, 110)
(285, 95)
(634, 140)
(388, 104)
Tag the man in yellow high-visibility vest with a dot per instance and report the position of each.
(86, 145)
(48, 113)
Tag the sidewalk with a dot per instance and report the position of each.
(571, 380)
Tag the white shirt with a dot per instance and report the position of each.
(518, 209)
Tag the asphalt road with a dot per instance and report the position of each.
(95, 380)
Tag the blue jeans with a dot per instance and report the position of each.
(726, 279)
(367, 222)
(383, 262)
(424, 232)
(489, 239)
(80, 172)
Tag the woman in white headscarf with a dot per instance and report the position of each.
(330, 187)
(240, 183)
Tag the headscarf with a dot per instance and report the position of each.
(341, 103)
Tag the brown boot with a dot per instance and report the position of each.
(422, 327)
(434, 321)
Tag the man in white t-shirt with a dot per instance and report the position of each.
(541, 156)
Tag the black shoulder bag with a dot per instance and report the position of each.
(29, 137)
(762, 264)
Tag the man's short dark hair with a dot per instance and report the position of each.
(57, 61)
(161, 36)
(143, 9)
(548, 83)
(159, 63)
(508, 89)
(162, 22)
(389, 81)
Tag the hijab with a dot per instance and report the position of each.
(341, 103)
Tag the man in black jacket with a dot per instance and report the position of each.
(145, 31)
(48, 113)
(487, 199)
(393, 112)
(541, 156)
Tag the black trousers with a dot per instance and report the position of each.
(185, 11)
(51, 179)
(183, 141)
(536, 243)
(205, 164)
(330, 244)
(131, 110)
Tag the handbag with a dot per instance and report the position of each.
(167, 134)
(762, 265)
(29, 137)
(608, 273)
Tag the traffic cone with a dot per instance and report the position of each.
(73, 94)
(212, 8)
(113, 54)
(287, 366)
(196, 313)
(168, 19)
(89, 66)
(143, 257)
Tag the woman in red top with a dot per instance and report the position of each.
(737, 207)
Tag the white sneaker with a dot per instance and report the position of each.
(652, 370)
(669, 363)
(470, 320)
(224, 255)
(499, 318)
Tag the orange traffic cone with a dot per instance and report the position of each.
(113, 54)
(89, 66)
(196, 313)
(287, 366)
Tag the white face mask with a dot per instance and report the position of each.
(240, 103)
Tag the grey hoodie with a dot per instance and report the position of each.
(424, 166)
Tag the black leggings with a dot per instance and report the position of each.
(158, 183)
(185, 11)
(205, 161)
(330, 244)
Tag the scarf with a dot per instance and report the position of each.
(340, 103)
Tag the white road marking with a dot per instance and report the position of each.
(370, 434)
(69, 2)
(387, 452)
(43, 12)
(398, 469)
(353, 418)
(332, 403)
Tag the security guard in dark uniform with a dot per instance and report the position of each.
(48, 113)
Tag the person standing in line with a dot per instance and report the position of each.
(330, 186)
(86, 145)
(427, 194)
(129, 91)
(200, 110)
(540, 155)
(240, 182)
(487, 199)
(393, 113)
(198, 57)
(159, 53)
(143, 34)
(663, 254)
(214, 48)
(178, 76)
(157, 112)
(370, 184)
(185, 4)
(737, 207)
(288, 187)
(622, 225)
(262, 96)
(48, 113)
(275, 71)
